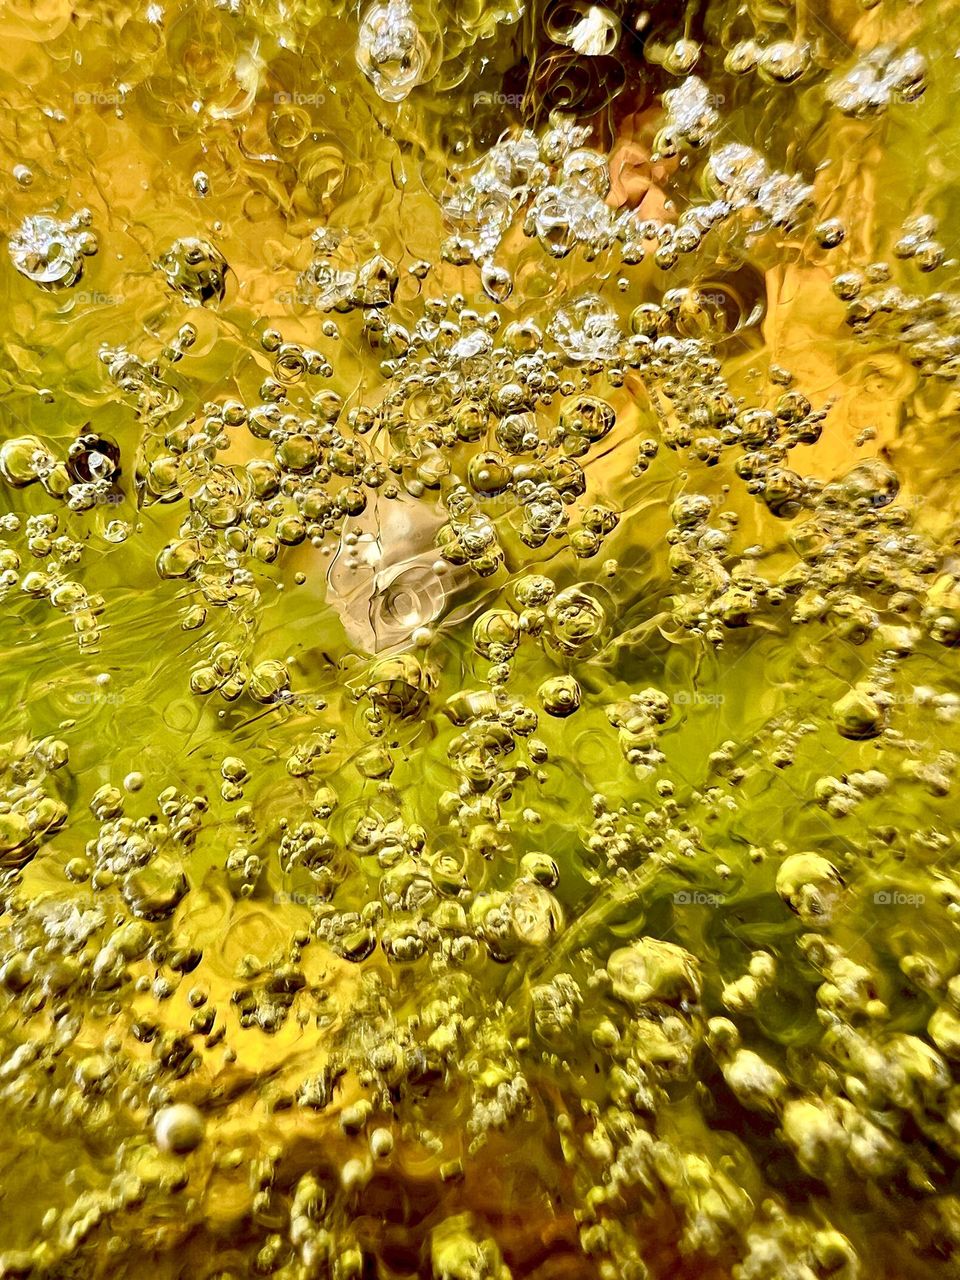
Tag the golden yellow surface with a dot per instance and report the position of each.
(751, 815)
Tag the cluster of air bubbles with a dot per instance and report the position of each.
(777, 61)
(881, 77)
(50, 252)
(338, 279)
(919, 243)
(742, 177)
(926, 329)
(692, 118)
(391, 51)
(455, 913)
(586, 329)
(560, 187)
(196, 270)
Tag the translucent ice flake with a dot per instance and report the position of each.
(594, 33)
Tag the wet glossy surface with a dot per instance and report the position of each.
(479, 613)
